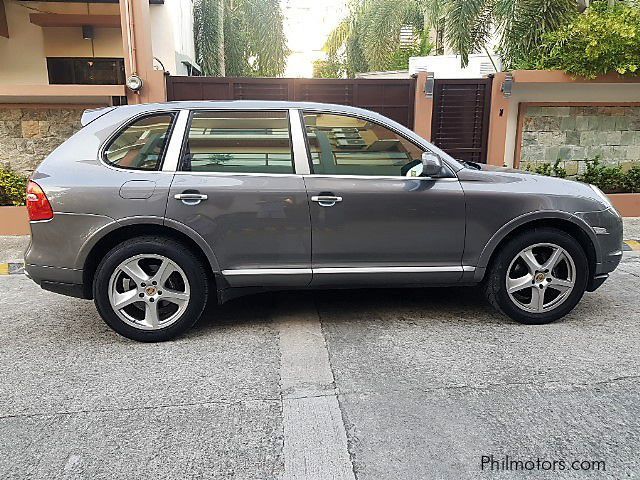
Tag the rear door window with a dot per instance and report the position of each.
(239, 142)
(142, 144)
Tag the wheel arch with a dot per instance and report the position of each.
(130, 228)
(566, 222)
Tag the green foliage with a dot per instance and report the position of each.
(250, 40)
(520, 24)
(13, 186)
(400, 59)
(608, 178)
(602, 40)
(369, 38)
(329, 68)
(547, 169)
(559, 171)
(632, 180)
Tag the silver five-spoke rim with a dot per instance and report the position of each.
(541, 277)
(149, 291)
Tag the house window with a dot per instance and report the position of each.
(86, 71)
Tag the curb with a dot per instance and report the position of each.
(631, 245)
(17, 268)
(11, 268)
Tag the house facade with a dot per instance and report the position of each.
(59, 58)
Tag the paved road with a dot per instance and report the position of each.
(398, 384)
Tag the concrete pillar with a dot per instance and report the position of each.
(498, 121)
(138, 54)
(423, 109)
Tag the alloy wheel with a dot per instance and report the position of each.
(149, 291)
(541, 277)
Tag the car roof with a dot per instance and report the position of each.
(250, 104)
(134, 109)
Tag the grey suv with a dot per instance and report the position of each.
(151, 209)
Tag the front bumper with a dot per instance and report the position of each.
(596, 282)
(608, 228)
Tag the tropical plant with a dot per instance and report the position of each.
(332, 67)
(240, 37)
(13, 186)
(369, 38)
(606, 38)
(519, 25)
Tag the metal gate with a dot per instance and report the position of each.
(460, 121)
(393, 98)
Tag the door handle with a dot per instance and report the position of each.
(190, 198)
(326, 200)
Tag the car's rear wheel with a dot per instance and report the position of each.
(538, 276)
(150, 289)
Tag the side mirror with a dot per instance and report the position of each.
(432, 164)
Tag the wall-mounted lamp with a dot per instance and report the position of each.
(134, 83)
(507, 85)
(87, 32)
(429, 85)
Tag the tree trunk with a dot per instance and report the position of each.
(221, 61)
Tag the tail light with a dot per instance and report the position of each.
(38, 205)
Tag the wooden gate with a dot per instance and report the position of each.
(393, 98)
(460, 121)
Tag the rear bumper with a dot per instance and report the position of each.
(68, 289)
(65, 281)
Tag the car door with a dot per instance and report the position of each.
(237, 187)
(370, 224)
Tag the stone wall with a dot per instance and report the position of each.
(575, 134)
(29, 134)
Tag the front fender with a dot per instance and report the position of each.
(518, 222)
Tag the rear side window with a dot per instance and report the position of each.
(239, 142)
(141, 145)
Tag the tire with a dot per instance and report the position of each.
(559, 286)
(151, 312)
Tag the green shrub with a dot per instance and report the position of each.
(13, 187)
(547, 169)
(632, 180)
(608, 178)
(602, 40)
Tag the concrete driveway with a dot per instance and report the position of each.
(378, 384)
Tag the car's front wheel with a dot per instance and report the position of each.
(150, 289)
(538, 276)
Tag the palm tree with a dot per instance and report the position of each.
(519, 24)
(369, 38)
(240, 37)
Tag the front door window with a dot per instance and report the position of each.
(344, 145)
